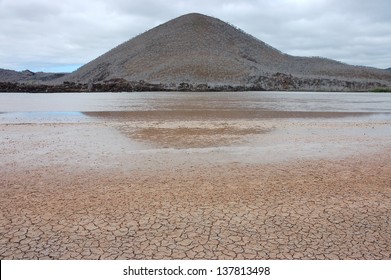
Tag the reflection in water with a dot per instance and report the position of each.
(168, 101)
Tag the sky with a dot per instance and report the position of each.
(60, 36)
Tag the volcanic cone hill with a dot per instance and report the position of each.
(198, 49)
(192, 48)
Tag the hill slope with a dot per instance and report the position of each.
(191, 48)
(196, 49)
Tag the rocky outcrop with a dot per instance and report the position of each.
(284, 82)
(277, 82)
(115, 86)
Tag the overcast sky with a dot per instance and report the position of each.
(50, 35)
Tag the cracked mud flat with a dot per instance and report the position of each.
(276, 189)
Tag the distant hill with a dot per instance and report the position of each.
(198, 52)
(27, 76)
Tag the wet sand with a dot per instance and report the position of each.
(116, 186)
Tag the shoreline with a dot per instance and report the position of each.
(274, 82)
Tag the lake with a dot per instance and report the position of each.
(238, 126)
(269, 101)
(67, 107)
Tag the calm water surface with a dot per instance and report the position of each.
(66, 106)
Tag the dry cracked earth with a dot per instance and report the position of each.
(107, 205)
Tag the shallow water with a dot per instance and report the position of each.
(146, 101)
(67, 107)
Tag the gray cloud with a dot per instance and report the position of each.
(45, 35)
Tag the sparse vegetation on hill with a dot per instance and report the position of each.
(382, 90)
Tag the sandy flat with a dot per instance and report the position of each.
(120, 187)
